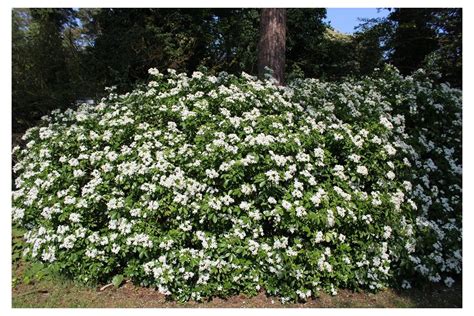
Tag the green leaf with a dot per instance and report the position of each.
(117, 280)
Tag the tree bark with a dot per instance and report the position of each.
(272, 43)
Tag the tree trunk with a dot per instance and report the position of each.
(272, 43)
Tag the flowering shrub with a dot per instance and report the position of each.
(211, 186)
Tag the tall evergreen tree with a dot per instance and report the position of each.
(272, 43)
(413, 39)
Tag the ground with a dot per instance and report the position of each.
(57, 292)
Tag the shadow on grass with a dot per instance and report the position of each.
(435, 295)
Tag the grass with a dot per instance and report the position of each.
(43, 290)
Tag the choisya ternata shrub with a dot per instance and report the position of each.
(210, 186)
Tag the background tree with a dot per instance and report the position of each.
(447, 59)
(369, 40)
(336, 56)
(127, 42)
(272, 43)
(40, 64)
(304, 36)
(413, 38)
(236, 34)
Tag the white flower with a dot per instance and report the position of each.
(406, 285)
(49, 254)
(406, 162)
(69, 200)
(154, 72)
(74, 162)
(247, 189)
(18, 213)
(245, 205)
(390, 175)
(367, 218)
(341, 211)
(75, 218)
(166, 244)
(107, 135)
(385, 122)
(376, 198)
(91, 253)
(343, 194)
(319, 153)
(319, 237)
(68, 242)
(186, 226)
(255, 214)
(112, 156)
(249, 160)
(449, 281)
(387, 231)
(376, 140)
(316, 198)
(362, 170)
(330, 218)
(227, 200)
(211, 173)
(300, 211)
(286, 205)
(115, 248)
(302, 157)
(297, 194)
(407, 185)
(136, 212)
(273, 176)
(140, 240)
(45, 133)
(291, 253)
(390, 149)
(355, 158)
(78, 173)
(339, 172)
(215, 203)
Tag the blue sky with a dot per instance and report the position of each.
(344, 20)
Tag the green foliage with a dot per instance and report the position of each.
(117, 280)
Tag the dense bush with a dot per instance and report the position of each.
(212, 186)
